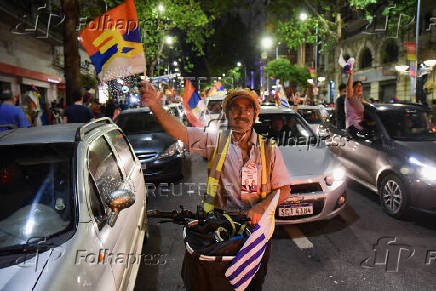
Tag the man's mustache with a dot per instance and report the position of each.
(242, 119)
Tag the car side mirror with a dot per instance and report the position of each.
(117, 201)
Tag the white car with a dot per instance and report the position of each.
(74, 208)
(318, 179)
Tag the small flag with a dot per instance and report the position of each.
(347, 65)
(283, 100)
(113, 43)
(194, 105)
(215, 88)
(247, 261)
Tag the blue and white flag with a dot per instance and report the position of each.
(283, 100)
(247, 261)
(284, 103)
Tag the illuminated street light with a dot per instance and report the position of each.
(175, 63)
(239, 64)
(169, 40)
(303, 16)
(267, 42)
(224, 75)
(160, 7)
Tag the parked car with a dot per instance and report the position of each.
(176, 109)
(395, 156)
(318, 179)
(73, 199)
(161, 156)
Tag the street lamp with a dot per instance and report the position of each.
(169, 40)
(239, 64)
(160, 7)
(175, 63)
(267, 42)
(303, 16)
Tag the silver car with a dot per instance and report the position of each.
(394, 155)
(73, 214)
(318, 179)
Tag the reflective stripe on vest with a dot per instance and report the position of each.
(215, 166)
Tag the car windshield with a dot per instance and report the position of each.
(214, 106)
(36, 192)
(411, 125)
(285, 128)
(139, 122)
(311, 115)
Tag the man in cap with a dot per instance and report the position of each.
(232, 158)
(9, 113)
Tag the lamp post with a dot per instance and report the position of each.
(418, 13)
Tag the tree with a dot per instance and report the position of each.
(232, 77)
(283, 70)
(71, 50)
(184, 18)
(327, 15)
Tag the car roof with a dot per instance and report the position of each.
(59, 133)
(309, 107)
(401, 107)
(134, 110)
(274, 110)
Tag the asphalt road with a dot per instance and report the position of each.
(361, 249)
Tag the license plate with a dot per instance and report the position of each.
(296, 209)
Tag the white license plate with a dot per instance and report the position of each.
(295, 209)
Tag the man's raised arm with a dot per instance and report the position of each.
(171, 125)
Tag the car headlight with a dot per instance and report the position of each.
(173, 149)
(428, 173)
(338, 174)
(425, 171)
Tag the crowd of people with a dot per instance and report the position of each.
(84, 109)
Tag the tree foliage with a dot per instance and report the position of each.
(232, 79)
(283, 70)
(327, 16)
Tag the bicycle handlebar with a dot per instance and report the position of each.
(184, 214)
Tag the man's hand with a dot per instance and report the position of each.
(255, 213)
(149, 95)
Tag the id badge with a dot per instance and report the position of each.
(249, 183)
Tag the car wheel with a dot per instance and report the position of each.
(393, 196)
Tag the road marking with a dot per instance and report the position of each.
(298, 237)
